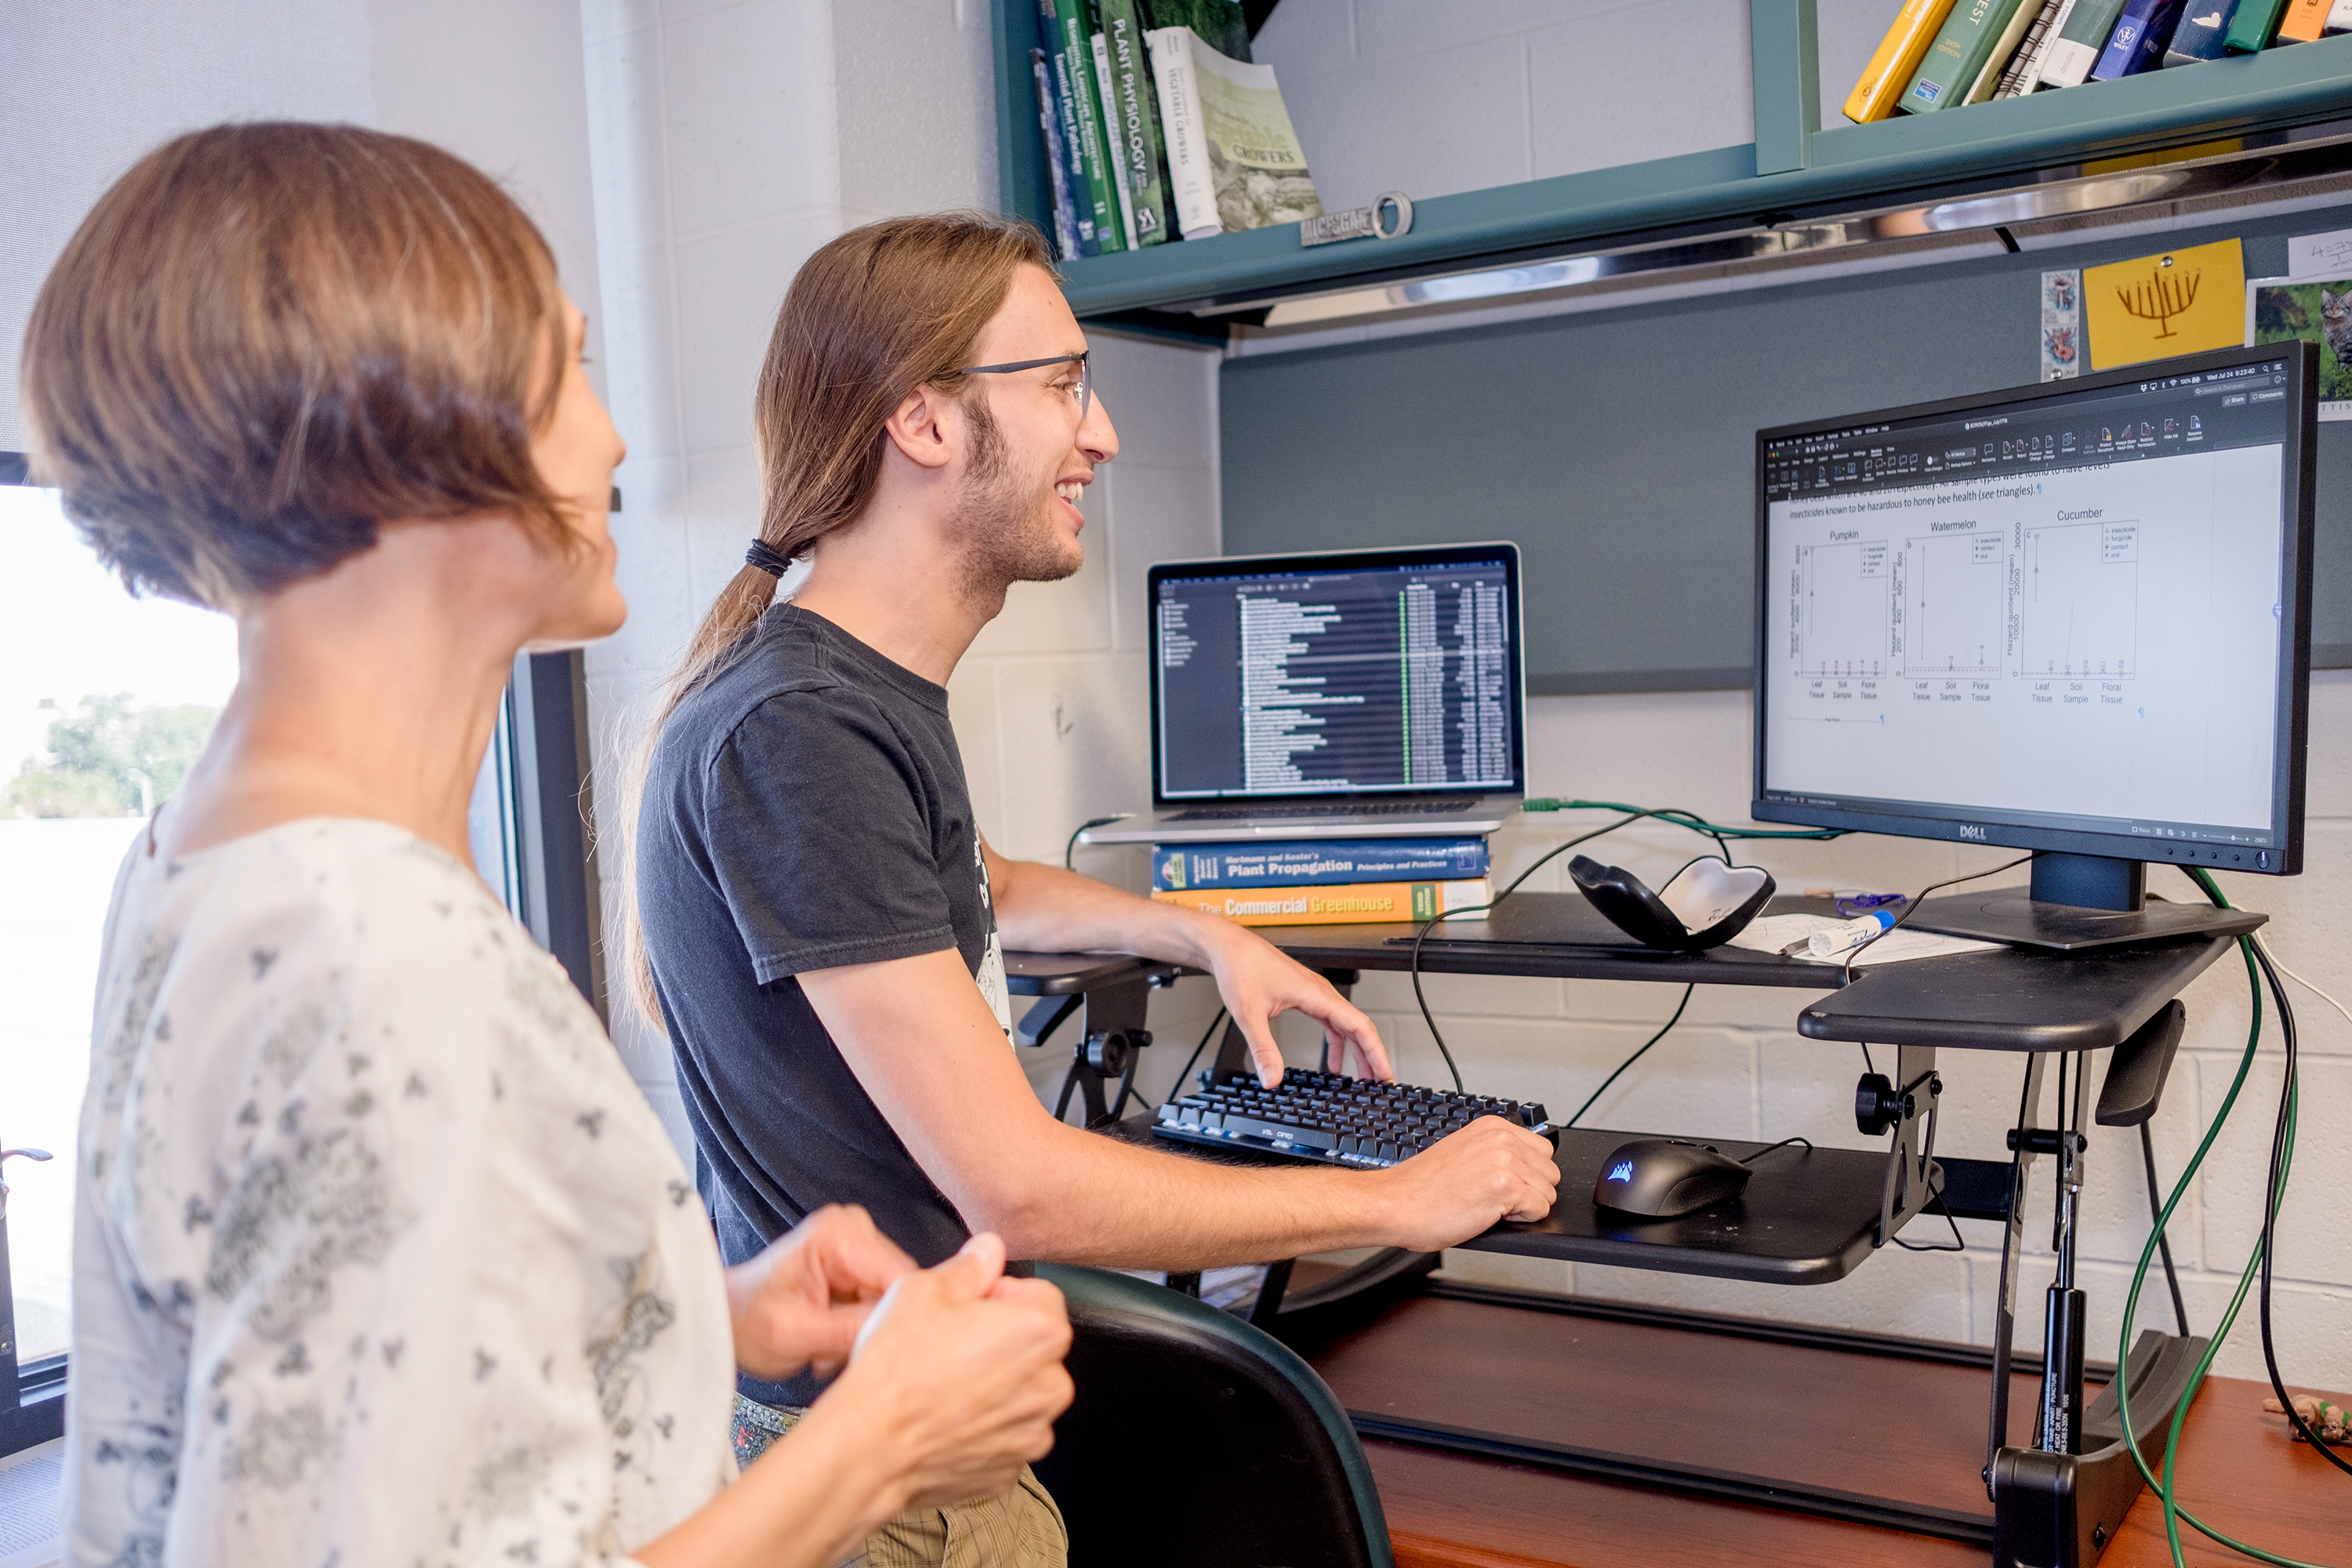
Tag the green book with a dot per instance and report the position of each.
(1134, 114)
(2253, 26)
(1958, 56)
(1078, 57)
(2080, 42)
(1222, 24)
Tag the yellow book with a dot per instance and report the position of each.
(2179, 302)
(1354, 903)
(1897, 61)
(2303, 21)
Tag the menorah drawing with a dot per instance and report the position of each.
(2160, 298)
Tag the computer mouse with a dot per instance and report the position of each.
(1659, 1178)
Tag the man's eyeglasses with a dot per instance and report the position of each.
(1085, 374)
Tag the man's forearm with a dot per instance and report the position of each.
(1092, 1199)
(1050, 910)
(1044, 908)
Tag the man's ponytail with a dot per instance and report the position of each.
(871, 316)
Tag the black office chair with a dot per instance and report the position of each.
(1197, 1439)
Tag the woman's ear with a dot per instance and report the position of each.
(917, 428)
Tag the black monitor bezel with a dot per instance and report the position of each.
(1374, 559)
(2292, 722)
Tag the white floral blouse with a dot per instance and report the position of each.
(380, 1257)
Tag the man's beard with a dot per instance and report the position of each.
(1007, 537)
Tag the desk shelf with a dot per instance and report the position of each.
(2014, 999)
(1808, 1218)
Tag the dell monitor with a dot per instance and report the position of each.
(2071, 618)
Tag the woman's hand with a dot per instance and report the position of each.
(960, 1370)
(802, 1302)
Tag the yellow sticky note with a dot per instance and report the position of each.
(2175, 303)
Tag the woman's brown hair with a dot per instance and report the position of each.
(268, 339)
(871, 316)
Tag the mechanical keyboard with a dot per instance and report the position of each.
(1331, 1120)
(1346, 808)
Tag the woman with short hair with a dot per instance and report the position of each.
(381, 1258)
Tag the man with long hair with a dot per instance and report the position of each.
(822, 921)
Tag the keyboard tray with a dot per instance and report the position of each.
(1806, 1218)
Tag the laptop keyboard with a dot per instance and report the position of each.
(1362, 808)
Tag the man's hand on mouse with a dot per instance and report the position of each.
(1464, 1183)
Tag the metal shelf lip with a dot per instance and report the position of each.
(1991, 147)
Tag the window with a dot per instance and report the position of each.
(104, 703)
(105, 700)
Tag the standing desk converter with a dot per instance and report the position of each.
(1807, 1216)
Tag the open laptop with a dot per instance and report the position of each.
(1351, 694)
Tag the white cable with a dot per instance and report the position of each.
(2281, 965)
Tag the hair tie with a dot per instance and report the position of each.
(767, 558)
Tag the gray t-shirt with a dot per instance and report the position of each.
(805, 810)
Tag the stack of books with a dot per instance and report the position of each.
(1948, 54)
(1331, 881)
(1157, 126)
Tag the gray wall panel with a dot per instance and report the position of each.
(1616, 447)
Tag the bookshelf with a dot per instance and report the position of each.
(2282, 96)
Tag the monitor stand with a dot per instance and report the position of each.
(2077, 901)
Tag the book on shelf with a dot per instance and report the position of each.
(1949, 70)
(1133, 112)
(2024, 72)
(2303, 21)
(1233, 160)
(1346, 903)
(2079, 43)
(2004, 49)
(1191, 188)
(1075, 35)
(1891, 68)
(2137, 43)
(1222, 24)
(1076, 186)
(1057, 164)
(2339, 19)
(1177, 869)
(1113, 157)
(2203, 33)
(2253, 26)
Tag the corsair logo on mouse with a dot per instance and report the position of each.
(1622, 1171)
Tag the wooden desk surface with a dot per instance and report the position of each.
(1904, 1429)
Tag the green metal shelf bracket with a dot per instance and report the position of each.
(1785, 58)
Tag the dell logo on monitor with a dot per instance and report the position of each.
(1622, 1171)
(1970, 831)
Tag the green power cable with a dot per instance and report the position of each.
(1690, 819)
(2173, 1512)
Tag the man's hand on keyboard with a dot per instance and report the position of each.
(1464, 1183)
(1258, 981)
